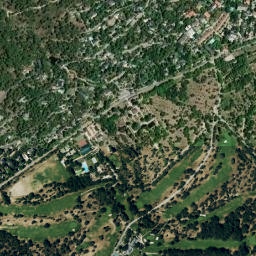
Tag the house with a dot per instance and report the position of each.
(26, 158)
(190, 32)
(207, 15)
(82, 143)
(94, 160)
(217, 4)
(242, 8)
(190, 14)
(93, 132)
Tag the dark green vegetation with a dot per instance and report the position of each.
(66, 62)
(109, 124)
(53, 63)
(169, 90)
(237, 78)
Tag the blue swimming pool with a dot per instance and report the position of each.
(85, 167)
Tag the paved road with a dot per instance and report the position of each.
(145, 89)
(174, 194)
(17, 174)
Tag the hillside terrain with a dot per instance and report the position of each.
(128, 127)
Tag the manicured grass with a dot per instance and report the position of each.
(49, 208)
(39, 233)
(224, 210)
(194, 244)
(123, 200)
(196, 154)
(115, 159)
(211, 184)
(226, 140)
(204, 244)
(174, 175)
(56, 173)
(82, 246)
(251, 240)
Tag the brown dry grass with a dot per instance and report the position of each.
(2, 96)
(26, 184)
(203, 94)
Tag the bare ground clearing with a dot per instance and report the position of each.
(28, 183)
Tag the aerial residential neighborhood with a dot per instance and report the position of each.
(128, 127)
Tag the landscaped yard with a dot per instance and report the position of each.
(56, 173)
(46, 172)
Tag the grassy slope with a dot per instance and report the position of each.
(204, 244)
(100, 221)
(39, 233)
(194, 244)
(58, 173)
(215, 180)
(112, 238)
(174, 175)
(224, 210)
(48, 208)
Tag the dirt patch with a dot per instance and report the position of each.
(2, 96)
(28, 183)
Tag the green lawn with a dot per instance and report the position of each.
(212, 183)
(227, 140)
(224, 210)
(116, 160)
(174, 175)
(57, 173)
(193, 244)
(123, 200)
(82, 246)
(39, 233)
(204, 244)
(251, 240)
(49, 208)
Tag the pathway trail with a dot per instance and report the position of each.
(174, 194)
(189, 181)
(37, 160)
(32, 8)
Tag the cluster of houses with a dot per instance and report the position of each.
(84, 151)
(12, 160)
(205, 25)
